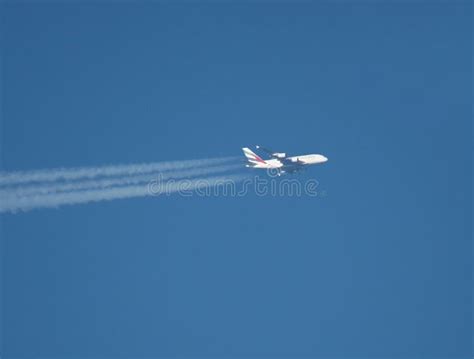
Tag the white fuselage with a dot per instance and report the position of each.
(309, 159)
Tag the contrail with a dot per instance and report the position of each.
(40, 188)
(53, 200)
(93, 172)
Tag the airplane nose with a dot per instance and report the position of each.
(325, 159)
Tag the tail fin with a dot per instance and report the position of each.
(252, 157)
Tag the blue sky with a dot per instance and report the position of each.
(380, 266)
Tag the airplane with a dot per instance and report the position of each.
(280, 162)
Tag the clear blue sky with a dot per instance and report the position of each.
(381, 266)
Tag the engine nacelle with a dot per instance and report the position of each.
(279, 155)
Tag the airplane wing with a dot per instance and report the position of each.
(278, 155)
(266, 150)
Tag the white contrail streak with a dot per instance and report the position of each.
(93, 172)
(106, 194)
(34, 189)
